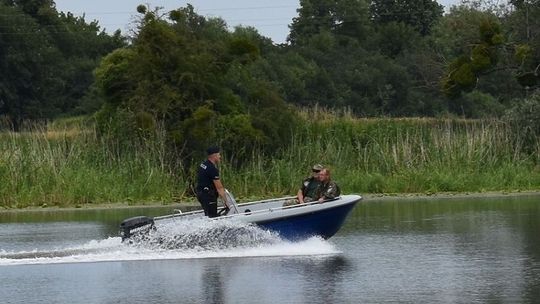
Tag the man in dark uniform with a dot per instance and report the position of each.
(308, 190)
(209, 186)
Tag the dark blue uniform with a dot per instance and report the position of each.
(206, 190)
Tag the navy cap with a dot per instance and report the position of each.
(212, 150)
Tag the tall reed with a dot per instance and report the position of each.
(72, 165)
(396, 155)
(68, 164)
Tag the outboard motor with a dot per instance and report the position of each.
(128, 225)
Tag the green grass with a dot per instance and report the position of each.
(68, 164)
(72, 166)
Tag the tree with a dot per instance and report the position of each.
(349, 18)
(480, 56)
(419, 14)
(26, 78)
(524, 23)
(190, 75)
(494, 58)
(47, 59)
(395, 38)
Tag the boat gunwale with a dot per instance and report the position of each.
(340, 202)
(288, 216)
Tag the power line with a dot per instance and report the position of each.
(208, 9)
(196, 10)
(252, 21)
(94, 15)
(101, 29)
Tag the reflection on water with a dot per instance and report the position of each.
(323, 279)
(408, 251)
(212, 280)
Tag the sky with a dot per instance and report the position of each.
(270, 18)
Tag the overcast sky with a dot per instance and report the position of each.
(270, 18)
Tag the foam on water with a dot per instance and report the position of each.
(193, 239)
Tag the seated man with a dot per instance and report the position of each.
(328, 189)
(308, 190)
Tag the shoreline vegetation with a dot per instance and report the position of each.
(194, 205)
(68, 164)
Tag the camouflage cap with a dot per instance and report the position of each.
(317, 167)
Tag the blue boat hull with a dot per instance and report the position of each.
(324, 223)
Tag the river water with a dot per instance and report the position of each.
(403, 251)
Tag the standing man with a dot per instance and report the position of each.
(209, 186)
(308, 190)
(328, 189)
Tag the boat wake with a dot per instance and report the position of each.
(177, 240)
(203, 235)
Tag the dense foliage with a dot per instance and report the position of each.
(193, 77)
(46, 60)
(202, 83)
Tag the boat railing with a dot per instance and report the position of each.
(298, 205)
(310, 203)
(236, 211)
(183, 214)
(233, 206)
(268, 200)
(178, 212)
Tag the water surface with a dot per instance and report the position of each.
(407, 251)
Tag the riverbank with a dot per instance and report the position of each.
(194, 205)
(473, 195)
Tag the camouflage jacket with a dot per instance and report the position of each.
(329, 190)
(310, 187)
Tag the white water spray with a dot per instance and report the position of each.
(194, 239)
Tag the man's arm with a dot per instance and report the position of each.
(221, 191)
(300, 196)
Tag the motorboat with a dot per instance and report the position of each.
(284, 216)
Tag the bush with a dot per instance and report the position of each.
(525, 118)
